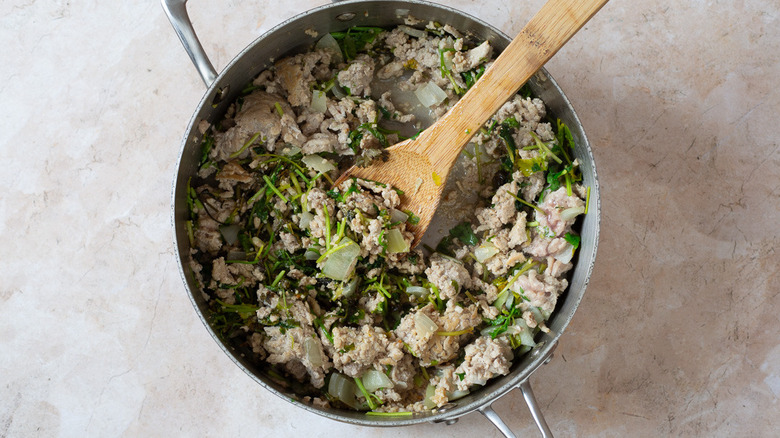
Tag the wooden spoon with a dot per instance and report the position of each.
(420, 167)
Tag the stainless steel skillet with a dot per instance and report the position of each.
(295, 35)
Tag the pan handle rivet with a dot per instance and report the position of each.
(345, 16)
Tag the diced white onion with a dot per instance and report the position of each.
(329, 43)
(291, 150)
(566, 254)
(430, 94)
(538, 317)
(373, 380)
(424, 324)
(396, 242)
(306, 218)
(526, 335)
(480, 382)
(313, 353)
(510, 299)
(571, 213)
(229, 233)
(338, 92)
(319, 103)
(343, 388)
(340, 264)
(398, 216)
(417, 33)
(311, 255)
(512, 330)
(318, 163)
(457, 394)
(419, 291)
(485, 251)
(430, 391)
(447, 57)
(501, 298)
(350, 288)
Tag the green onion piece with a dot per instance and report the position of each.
(340, 229)
(190, 233)
(326, 177)
(544, 147)
(246, 145)
(524, 202)
(587, 200)
(318, 322)
(456, 333)
(477, 155)
(369, 397)
(390, 414)
(296, 184)
(286, 159)
(327, 228)
(273, 188)
(254, 197)
(504, 293)
(278, 278)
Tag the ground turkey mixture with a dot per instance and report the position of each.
(318, 284)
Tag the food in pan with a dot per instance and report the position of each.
(319, 284)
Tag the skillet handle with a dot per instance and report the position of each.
(530, 400)
(536, 412)
(176, 10)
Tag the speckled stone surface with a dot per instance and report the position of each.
(678, 334)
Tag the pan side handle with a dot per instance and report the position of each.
(176, 10)
(530, 400)
(536, 413)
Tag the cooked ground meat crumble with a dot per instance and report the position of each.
(319, 284)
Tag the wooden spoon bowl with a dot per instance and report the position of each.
(420, 167)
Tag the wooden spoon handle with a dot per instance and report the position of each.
(540, 39)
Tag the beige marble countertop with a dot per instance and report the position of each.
(678, 334)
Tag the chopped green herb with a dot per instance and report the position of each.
(447, 72)
(355, 39)
(464, 233)
(413, 218)
(573, 239)
(472, 76)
